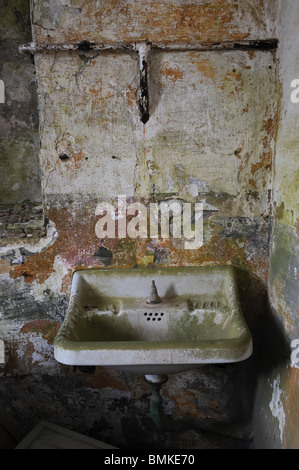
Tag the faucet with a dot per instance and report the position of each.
(154, 297)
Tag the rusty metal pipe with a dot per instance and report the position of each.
(204, 46)
(143, 50)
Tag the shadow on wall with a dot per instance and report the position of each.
(254, 304)
(271, 348)
(275, 350)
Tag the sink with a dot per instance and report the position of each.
(110, 323)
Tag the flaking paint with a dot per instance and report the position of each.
(217, 147)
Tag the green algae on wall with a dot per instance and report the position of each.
(276, 410)
(284, 276)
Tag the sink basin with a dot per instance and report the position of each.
(109, 322)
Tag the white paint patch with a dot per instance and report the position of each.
(2, 352)
(295, 354)
(2, 92)
(276, 405)
(294, 366)
(36, 247)
(18, 258)
(54, 282)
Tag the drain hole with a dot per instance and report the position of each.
(145, 314)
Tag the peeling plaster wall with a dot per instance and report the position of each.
(19, 138)
(209, 111)
(210, 138)
(277, 411)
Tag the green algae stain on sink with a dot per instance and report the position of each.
(110, 322)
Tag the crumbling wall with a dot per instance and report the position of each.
(210, 138)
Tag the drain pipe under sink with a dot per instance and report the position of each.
(162, 421)
(156, 410)
(167, 424)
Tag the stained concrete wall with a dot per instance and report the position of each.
(277, 412)
(130, 20)
(19, 132)
(210, 138)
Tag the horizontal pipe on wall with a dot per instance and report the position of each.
(143, 49)
(85, 46)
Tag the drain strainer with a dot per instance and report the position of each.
(154, 316)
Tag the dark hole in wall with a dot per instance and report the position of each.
(260, 45)
(104, 255)
(63, 157)
(85, 46)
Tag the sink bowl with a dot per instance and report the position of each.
(109, 322)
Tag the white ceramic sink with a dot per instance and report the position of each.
(110, 324)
